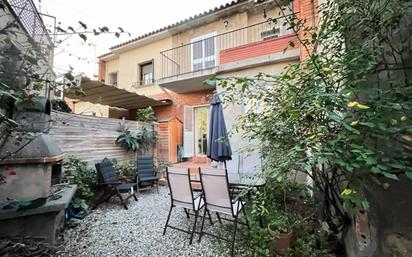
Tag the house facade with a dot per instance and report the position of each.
(171, 64)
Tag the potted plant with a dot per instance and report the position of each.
(280, 226)
(162, 173)
(281, 234)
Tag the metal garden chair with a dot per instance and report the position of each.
(182, 196)
(107, 177)
(218, 199)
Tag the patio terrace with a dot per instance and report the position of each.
(113, 231)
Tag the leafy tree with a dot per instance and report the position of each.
(343, 116)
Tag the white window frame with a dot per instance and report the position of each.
(110, 74)
(203, 59)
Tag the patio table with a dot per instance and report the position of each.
(238, 179)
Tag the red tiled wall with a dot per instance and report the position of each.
(257, 49)
(305, 9)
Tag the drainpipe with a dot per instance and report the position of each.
(312, 12)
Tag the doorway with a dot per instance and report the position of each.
(201, 115)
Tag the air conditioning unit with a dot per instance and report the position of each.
(270, 34)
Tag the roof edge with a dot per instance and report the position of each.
(180, 23)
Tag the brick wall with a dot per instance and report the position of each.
(308, 11)
(170, 119)
(175, 110)
(257, 49)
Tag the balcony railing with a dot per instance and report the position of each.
(206, 53)
(32, 22)
(144, 82)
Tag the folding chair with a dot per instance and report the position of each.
(181, 194)
(107, 177)
(217, 197)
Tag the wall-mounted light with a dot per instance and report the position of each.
(226, 24)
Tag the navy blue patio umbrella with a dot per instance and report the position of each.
(218, 146)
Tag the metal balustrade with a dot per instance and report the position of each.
(204, 53)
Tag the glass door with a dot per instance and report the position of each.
(203, 52)
(201, 129)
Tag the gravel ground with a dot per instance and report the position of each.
(113, 231)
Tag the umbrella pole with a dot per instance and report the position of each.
(225, 165)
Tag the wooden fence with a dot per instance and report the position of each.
(92, 138)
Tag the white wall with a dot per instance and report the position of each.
(244, 161)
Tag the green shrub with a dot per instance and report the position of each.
(127, 140)
(77, 172)
(145, 114)
(281, 207)
(126, 169)
(60, 105)
(144, 139)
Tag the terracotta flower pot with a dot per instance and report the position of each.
(281, 242)
(162, 182)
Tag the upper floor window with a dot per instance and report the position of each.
(146, 73)
(204, 52)
(113, 79)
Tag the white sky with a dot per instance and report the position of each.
(135, 16)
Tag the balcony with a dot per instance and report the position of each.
(184, 68)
